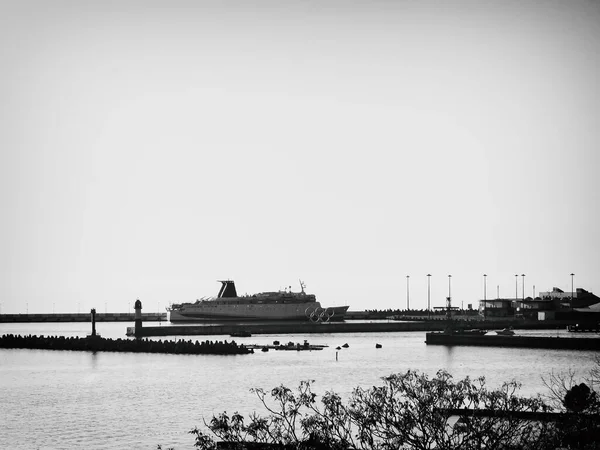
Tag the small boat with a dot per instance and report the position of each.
(345, 346)
(241, 334)
(505, 332)
(473, 332)
(378, 346)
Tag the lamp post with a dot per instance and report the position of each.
(572, 290)
(523, 287)
(449, 286)
(428, 296)
(484, 293)
(516, 287)
(407, 294)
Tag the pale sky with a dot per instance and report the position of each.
(148, 149)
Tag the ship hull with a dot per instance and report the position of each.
(264, 312)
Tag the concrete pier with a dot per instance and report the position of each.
(336, 327)
(81, 317)
(568, 343)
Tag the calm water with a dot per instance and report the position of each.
(69, 400)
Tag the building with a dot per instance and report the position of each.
(546, 305)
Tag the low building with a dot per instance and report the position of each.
(530, 307)
(499, 307)
(547, 305)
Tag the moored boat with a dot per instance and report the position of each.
(267, 306)
(505, 332)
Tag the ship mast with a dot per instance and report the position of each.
(302, 285)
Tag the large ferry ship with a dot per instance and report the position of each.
(279, 305)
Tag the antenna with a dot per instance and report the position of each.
(302, 285)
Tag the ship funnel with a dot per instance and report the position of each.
(227, 289)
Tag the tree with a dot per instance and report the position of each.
(408, 411)
(579, 428)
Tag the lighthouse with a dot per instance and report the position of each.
(138, 317)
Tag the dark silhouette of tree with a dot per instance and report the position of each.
(409, 411)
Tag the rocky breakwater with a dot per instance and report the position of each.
(96, 343)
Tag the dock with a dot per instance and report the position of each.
(287, 347)
(81, 317)
(331, 327)
(560, 343)
(283, 328)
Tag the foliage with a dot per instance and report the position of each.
(408, 411)
(580, 426)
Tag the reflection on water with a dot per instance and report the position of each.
(68, 399)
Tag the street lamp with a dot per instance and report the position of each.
(572, 290)
(484, 293)
(449, 286)
(523, 287)
(407, 294)
(428, 296)
(516, 287)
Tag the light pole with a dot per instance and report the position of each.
(484, 293)
(516, 287)
(407, 294)
(449, 286)
(428, 296)
(572, 290)
(523, 287)
(498, 292)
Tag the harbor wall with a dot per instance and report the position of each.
(568, 343)
(336, 327)
(80, 317)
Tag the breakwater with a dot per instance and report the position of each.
(336, 327)
(80, 317)
(558, 343)
(96, 343)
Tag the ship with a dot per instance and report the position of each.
(264, 306)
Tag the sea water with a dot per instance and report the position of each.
(70, 399)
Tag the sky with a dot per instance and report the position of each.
(149, 149)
